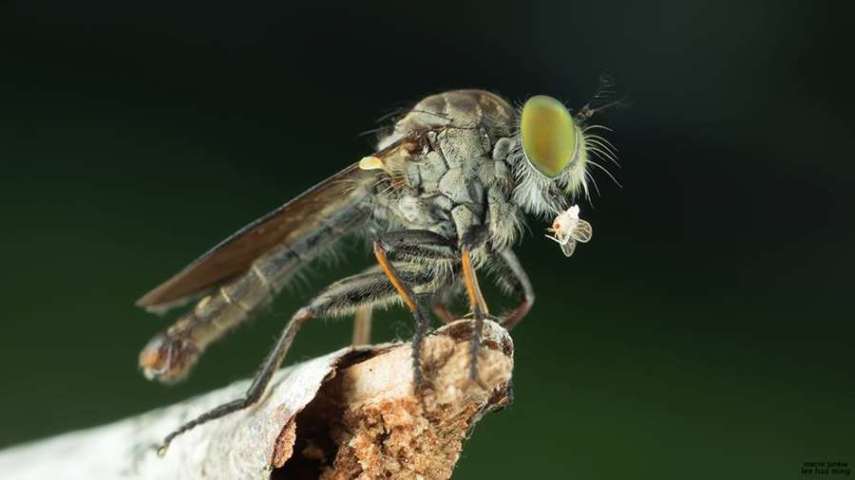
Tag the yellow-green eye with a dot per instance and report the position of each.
(548, 134)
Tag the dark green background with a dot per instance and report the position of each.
(706, 332)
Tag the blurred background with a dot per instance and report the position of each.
(706, 331)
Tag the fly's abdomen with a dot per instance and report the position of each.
(226, 308)
(170, 355)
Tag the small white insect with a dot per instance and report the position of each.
(568, 228)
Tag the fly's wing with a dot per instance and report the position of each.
(287, 224)
(583, 231)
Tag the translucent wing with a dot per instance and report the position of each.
(583, 231)
(568, 247)
(287, 224)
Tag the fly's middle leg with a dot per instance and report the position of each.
(418, 247)
(440, 304)
(362, 326)
(441, 310)
(405, 292)
(516, 280)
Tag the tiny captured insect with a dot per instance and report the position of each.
(443, 196)
(568, 228)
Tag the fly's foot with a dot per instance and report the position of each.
(422, 385)
(418, 374)
(420, 381)
(422, 327)
(164, 445)
(474, 349)
(161, 449)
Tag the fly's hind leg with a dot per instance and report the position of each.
(259, 382)
(343, 297)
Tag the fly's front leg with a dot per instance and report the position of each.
(344, 297)
(515, 279)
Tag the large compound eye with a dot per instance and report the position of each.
(548, 134)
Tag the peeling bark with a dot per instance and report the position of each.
(352, 414)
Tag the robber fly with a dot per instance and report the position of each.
(443, 195)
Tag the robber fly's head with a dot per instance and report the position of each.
(167, 359)
(550, 155)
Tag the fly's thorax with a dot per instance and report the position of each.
(457, 182)
(443, 188)
(456, 109)
(461, 177)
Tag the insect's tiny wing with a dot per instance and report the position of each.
(288, 223)
(568, 247)
(583, 231)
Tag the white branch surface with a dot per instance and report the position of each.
(371, 422)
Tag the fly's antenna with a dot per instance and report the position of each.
(605, 97)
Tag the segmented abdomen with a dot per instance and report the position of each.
(231, 304)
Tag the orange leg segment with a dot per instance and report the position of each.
(479, 309)
(473, 289)
(407, 295)
(404, 291)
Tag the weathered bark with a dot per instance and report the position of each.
(350, 414)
